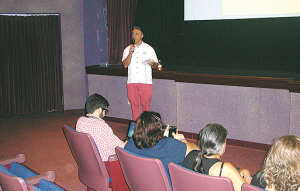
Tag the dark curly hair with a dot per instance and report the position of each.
(149, 130)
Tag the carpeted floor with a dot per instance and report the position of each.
(41, 138)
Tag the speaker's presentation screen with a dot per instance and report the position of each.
(239, 9)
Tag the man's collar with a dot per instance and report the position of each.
(93, 116)
(140, 44)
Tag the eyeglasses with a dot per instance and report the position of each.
(105, 110)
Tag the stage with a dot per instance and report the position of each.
(253, 109)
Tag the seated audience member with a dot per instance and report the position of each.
(281, 169)
(148, 140)
(212, 142)
(93, 123)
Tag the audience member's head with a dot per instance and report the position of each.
(282, 164)
(211, 141)
(96, 102)
(149, 129)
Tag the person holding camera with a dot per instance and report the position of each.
(149, 141)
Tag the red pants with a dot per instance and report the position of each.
(139, 95)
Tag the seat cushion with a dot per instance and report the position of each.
(46, 185)
(5, 170)
(21, 171)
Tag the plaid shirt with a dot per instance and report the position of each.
(102, 134)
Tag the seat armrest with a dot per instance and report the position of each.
(115, 173)
(47, 185)
(113, 158)
(20, 158)
(50, 176)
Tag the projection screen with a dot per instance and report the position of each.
(239, 9)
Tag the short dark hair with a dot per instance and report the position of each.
(138, 28)
(95, 102)
(149, 130)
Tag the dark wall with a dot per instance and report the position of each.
(259, 43)
(95, 32)
(263, 44)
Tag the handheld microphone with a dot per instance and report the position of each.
(133, 41)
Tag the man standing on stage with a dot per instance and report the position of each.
(140, 58)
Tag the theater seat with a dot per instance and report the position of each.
(184, 179)
(92, 171)
(17, 177)
(143, 173)
(248, 187)
(10, 182)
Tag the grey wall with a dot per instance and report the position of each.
(71, 14)
(295, 113)
(250, 114)
(113, 88)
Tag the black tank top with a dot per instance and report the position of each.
(208, 163)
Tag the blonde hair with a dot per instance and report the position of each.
(282, 166)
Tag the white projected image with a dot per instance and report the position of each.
(239, 9)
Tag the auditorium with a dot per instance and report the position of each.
(234, 63)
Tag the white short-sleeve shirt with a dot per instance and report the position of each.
(138, 70)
